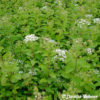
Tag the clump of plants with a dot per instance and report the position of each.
(49, 48)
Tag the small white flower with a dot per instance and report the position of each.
(20, 8)
(38, 96)
(18, 60)
(88, 16)
(31, 37)
(5, 18)
(96, 20)
(82, 22)
(20, 72)
(77, 40)
(63, 96)
(30, 72)
(75, 4)
(61, 54)
(44, 8)
(33, 73)
(10, 62)
(96, 71)
(50, 41)
(58, 2)
(90, 50)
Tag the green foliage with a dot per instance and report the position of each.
(35, 70)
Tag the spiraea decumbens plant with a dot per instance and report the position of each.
(49, 48)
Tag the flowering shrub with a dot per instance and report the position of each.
(49, 49)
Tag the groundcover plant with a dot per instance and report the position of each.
(49, 49)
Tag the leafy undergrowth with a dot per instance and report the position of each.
(49, 48)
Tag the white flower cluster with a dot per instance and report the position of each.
(88, 16)
(96, 71)
(20, 8)
(33, 73)
(30, 72)
(5, 18)
(75, 4)
(20, 72)
(31, 37)
(78, 40)
(58, 2)
(38, 97)
(82, 22)
(49, 40)
(18, 60)
(61, 54)
(63, 97)
(44, 8)
(90, 51)
(96, 20)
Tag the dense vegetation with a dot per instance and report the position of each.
(49, 48)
